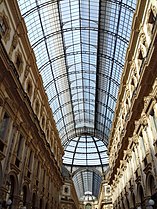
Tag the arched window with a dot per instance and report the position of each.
(11, 189)
(33, 201)
(152, 184)
(88, 206)
(133, 199)
(24, 195)
(41, 203)
(151, 190)
(46, 206)
(141, 196)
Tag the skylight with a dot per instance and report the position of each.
(80, 48)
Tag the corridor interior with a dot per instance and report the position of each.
(78, 104)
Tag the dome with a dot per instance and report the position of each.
(85, 151)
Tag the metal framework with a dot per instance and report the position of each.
(87, 183)
(80, 48)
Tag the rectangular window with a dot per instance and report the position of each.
(4, 125)
(30, 160)
(19, 151)
(13, 138)
(19, 148)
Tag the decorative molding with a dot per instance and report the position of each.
(2, 156)
(135, 139)
(14, 168)
(144, 119)
(19, 62)
(148, 168)
(27, 70)
(14, 44)
(6, 35)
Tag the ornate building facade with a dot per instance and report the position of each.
(31, 170)
(30, 148)
(132, 147)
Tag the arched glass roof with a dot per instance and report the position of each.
(87, 183)
(80, 48)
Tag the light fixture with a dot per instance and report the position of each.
(5, 204)
(151, 202)
(8, 202)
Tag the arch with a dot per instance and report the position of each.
(34, 200)
(41, 203)
(84, 169)
(88, 206)
(133, 199)
(13, 182)
(140, 196)
(126, 201)
(150, 188)
(47, 205)
(150, 184)
(26, 194)
(12, 187)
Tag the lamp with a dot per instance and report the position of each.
(5, 204)
(8, 202)
(151, 202)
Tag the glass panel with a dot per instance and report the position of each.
(80, 49)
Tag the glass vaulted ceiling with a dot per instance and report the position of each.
(80, 48)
